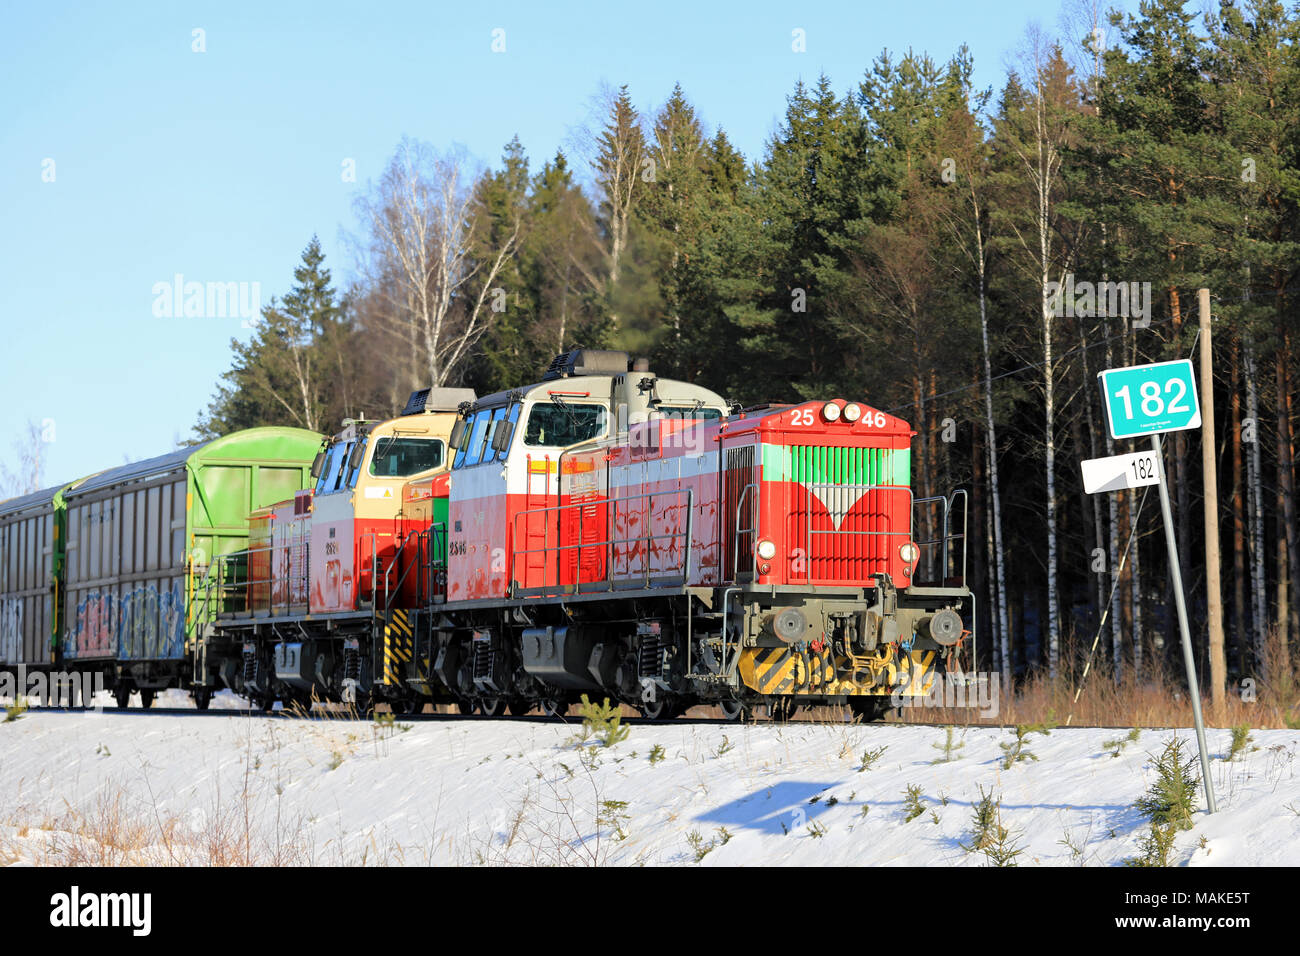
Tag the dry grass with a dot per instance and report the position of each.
(251, 823)
(1159, 699)
(117, 828)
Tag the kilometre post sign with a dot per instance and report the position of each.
(1120, 471)
(1150, 399)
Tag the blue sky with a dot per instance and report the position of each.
(220, 165)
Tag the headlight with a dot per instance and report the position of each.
(766, 550)
(852, 412)
(831, 412)
(909, 552)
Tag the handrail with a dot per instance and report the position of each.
(751, 530)
(609, 579)
(946, 534)
(221, 584)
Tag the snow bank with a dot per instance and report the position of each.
(149, 788)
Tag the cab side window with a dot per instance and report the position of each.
(339, 480)
(329, 474)
(514, 422)
(474, 443)
(498, 416)
(463, 450)
(471, 449)
(479, 430)
(354, 473)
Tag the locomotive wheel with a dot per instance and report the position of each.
(465, 706)
(122, 694)
(555, 708)
(400, 707)
(493, 706)
(733, 710)
(146, 698)
(267, 703)
(520, 706)
(661, 708)
(202, 698)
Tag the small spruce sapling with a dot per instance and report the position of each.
(949, 747)
(1241, 739)
(1015, 749)
(984, 818)
(912, 804)
(1116, 747)
(603, 720)
(1171, 798)
(869, 757)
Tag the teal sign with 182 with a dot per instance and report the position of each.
(1149, 399)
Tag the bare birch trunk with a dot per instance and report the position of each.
(1286, 492)
(1255, 500)
(1004, 630)
(1238, 515)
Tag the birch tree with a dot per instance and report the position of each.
(1035, 129)
(968, 223)
(28, 471)
(432, 292)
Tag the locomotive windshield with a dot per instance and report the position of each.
(560, 423)
(401, 457)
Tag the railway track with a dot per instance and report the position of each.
(637, 721)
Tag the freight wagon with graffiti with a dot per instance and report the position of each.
(115, 559)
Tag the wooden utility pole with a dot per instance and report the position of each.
(1213, 589)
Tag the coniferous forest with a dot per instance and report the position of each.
(968, 259)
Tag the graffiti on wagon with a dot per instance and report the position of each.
(144, 623)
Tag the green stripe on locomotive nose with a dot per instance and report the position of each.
(837, 465)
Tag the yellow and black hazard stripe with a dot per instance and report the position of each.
(916, 673)
(399, 645)
(780, 670)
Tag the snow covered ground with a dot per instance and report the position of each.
(140, 787)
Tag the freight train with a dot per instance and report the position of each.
(604, 531)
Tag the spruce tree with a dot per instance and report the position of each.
(296, 369)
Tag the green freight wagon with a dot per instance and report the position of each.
(140, 540)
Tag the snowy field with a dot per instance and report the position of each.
(149, 788)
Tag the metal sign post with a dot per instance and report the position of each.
(1149, 400)
(1181, 604)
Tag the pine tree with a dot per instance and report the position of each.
(1253, 102)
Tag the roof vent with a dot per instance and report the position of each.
(586, 362)
(437, 400)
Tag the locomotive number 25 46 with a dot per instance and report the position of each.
(808, 417)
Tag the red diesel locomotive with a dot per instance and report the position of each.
(612, 533)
